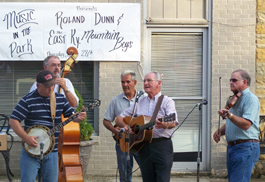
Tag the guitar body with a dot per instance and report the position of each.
(70, 168)
(143, 132)
(139, 138)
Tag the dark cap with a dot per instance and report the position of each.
(45, 77)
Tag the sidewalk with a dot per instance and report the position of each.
(139, 179)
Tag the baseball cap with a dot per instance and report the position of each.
(45, 77)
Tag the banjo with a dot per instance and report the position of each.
(46, 135)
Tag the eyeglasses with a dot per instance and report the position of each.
(149, 80)
(234, 80)
(53, 65)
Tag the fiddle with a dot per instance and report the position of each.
(230, 102)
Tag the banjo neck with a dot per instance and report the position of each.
(71, 118)
(62, 124)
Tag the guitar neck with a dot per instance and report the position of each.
(71, 118)
(147, 125)
(171, 117)
(62, 124)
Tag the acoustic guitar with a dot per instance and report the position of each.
(143, 133)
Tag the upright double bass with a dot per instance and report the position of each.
(70, 168)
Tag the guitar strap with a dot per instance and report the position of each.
(53, 106)
(158, 104)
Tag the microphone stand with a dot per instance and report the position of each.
(127, 139)
(41, 161)
(199, 142)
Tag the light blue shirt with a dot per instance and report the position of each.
(118, 104)
(248, 107)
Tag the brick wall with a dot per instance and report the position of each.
(233, 47)
(260, 54)
(103, 158)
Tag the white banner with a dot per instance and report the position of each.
(99, 31)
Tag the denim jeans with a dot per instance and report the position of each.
(241, 159)
(122, 163)
(30, 166)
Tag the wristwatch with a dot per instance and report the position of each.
(230, 116)
(67, 90)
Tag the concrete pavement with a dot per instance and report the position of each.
(139, 179)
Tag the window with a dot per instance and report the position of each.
(17, 77)
(179, 57)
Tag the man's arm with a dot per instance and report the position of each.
(17, 128)
(238, 121)
(110, 127)
(119, 122)
(70, 97)
(69, 91)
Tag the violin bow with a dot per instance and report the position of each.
(219, 132)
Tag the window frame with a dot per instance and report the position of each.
(206, 90)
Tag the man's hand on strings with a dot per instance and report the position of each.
(61, 82)
(126, 129)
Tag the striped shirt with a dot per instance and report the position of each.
(35, 110)
(146, 107)
(68, 84)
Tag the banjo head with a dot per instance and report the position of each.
(41, 132)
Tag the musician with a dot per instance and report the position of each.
(156, 158)
(241, 129)
(116, 106)
(34, 109)
(53, 64)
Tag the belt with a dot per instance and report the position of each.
(240, 141)
(154, 140)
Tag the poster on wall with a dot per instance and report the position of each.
(99, 31)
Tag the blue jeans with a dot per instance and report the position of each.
(241, 159)
(29, 167)
(122, 163)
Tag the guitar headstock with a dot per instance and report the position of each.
(96, 103)
(170, 117)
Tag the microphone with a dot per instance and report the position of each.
(139, 95)
(121, 130)
(204, 102)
